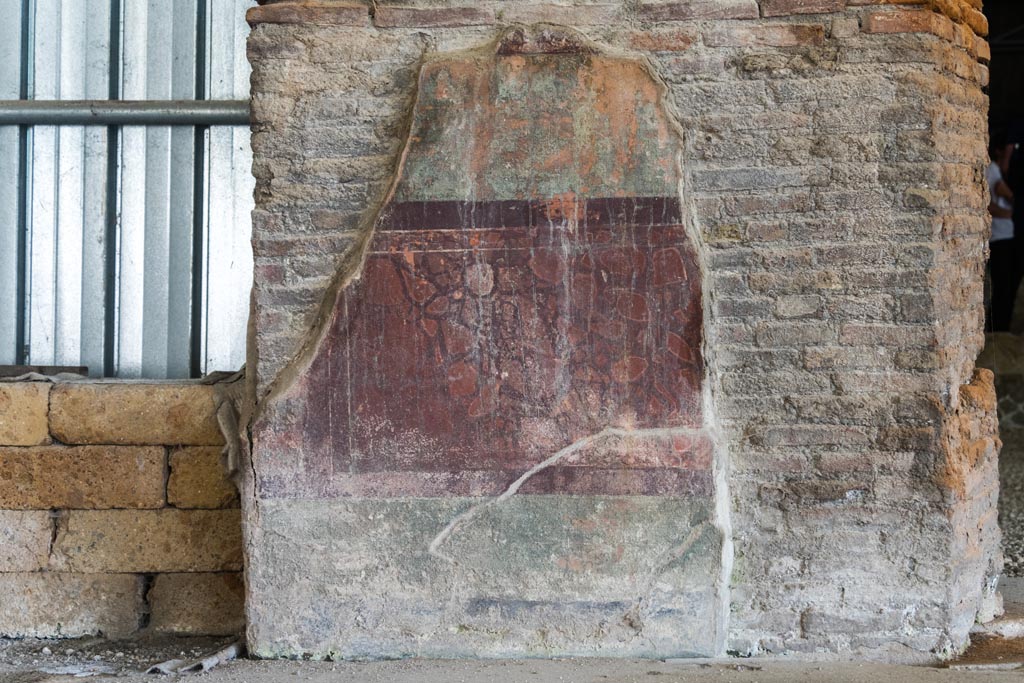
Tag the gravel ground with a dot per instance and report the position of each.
(88, 657)
(1011, 501)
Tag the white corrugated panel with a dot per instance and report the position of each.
(10, 87)
(155, 265)
(67, 224)
(227, 250)
(115, 283)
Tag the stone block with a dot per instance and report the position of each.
(197, 604)
(135, 413)
(23, 413)
(148, 541)
(198, 479)
(24, 540)
(82, 477)
(56, 605)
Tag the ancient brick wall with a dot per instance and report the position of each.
(116, 515)
(832, 170)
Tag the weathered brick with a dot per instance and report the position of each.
(306, 12)
(198, 479)
(148, 541)
(889, 335)
(389, 16)
(197, 604)
(908, 21)
(798, 306)
(577, 15)
(23, 413)
(134, 413)
(907, 438)
(778, 8)
(24, 540)
(814, 435)
(829, 357)
(687, 10)
(82, 477)
(765, 35)
(56, 605)
(864, 3)
(662, 40)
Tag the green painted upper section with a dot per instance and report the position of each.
(537, 126)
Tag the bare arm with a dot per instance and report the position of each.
(1003, 190)
(999, 212)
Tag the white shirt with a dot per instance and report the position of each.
(1002, 228)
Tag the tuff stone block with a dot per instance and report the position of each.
(197, 604)
(82, 477)
(197, 478)
(56, 605)
(134, 413)
(24, 407)
(24, 540)
(148, 541)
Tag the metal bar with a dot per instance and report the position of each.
(25, 78)
(110, 205)
(124, 112)
(198, 198)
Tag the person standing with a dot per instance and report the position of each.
(1002, 261)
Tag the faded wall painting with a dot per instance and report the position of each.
(528, 320)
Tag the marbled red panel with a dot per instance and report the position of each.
(447, 357)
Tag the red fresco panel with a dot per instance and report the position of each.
(487, 333)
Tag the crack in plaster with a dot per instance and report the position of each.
(472, 512)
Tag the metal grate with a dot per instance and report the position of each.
(124, 243)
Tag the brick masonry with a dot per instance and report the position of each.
(108, 524)
(832, 168)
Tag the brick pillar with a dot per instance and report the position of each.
(829, 181)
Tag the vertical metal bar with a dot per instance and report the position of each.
(110, 203)
(182, 189)
(12, 47)
(24, 87)
(196, 364)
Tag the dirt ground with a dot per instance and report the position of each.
(558, 671)
(48, 661)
